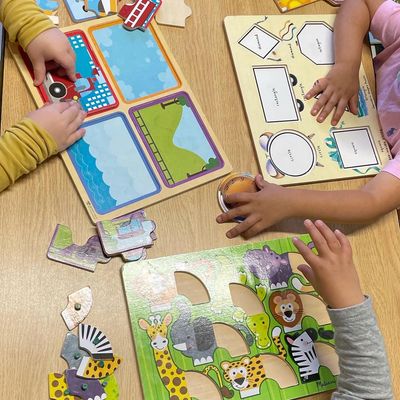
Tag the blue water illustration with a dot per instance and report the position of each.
(47, 5)
(362, 104)
(137, 63)
(75, 9)
(190, 136)
(111, 164)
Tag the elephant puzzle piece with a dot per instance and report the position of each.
(139, 14)
(64, 250)
(173, 13)
(78, 307)
(71, 352)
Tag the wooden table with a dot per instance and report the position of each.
(34, 290)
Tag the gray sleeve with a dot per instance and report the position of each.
(364, 370)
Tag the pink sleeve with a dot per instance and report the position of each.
(385, 24)
(393, 167)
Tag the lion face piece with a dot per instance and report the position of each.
(287, 308)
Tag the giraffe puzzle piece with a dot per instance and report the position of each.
(173, 13)
(97, 369)
(71, 352)
(78, 307)
(85, 389)
(95, 342)
(64, 250)
(58, 388)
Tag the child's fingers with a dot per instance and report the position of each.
(75, 136)
(307, 271)
(319, 86)
(316, 236)
(353, 104)
(329, 236)
(238, 198)
(344, 241)
(321, 102)
(260, 182)
(340, 109)
(305, 251)
(242, 227)
(39, 71)
(67, 62)
(231, 214)
(328, 107)
(71, 112)
(62, 106)
(77, 122)
(254, 230)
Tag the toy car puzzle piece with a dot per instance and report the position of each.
(97, 369)
(139, 14)
(94, 341)
(78, 307)
(71, 352)
(101, 8)
(85, 389)
(58, 388)
(64, 250)
(174, 13)
(49, 7)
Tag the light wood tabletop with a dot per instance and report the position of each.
(33, 289)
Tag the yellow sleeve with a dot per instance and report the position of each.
(23, 20)
(22, 148)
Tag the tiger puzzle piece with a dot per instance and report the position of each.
(97, 369)
(64, 250)
(71, 352)
(139, 14)
(85, 389)
(49, 7)
(125, 233)
(173, 13)
(95, 342)
(111, 387)
(58, 388)
(78, 307)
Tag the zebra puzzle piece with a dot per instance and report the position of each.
(174, 13)
(95, 342)
(97, 369)
(71, 352)
(85, 389)
(58, 388)
(139, 14)
(78, 307)
(64, 250)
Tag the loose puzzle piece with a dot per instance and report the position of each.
(97, 369)
(64, 250)
(71, 352)
(49, 7)
(95, 342)
(78, 307)
(76, 10)
(135, 254)
(125, 233)
(110, 386)
(101, 8)
(174, 13)
(85, 389)
(58, 388)
(139, 14)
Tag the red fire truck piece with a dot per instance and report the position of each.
(139, 14)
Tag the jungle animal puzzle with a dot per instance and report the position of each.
(237, 322)
(146, 137)
(277, 61)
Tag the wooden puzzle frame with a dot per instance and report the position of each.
(136, 117)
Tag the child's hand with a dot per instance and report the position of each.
(338, 89)
(61, 121)
(52, 47)
(261, 209)
(332, 271)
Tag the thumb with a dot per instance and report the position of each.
(307, 271)
(39, 71)
(353, 104)
(260, 182)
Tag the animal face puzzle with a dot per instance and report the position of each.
(146, 137)
(223, 328)
(277, 60)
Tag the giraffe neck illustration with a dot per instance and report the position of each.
(172, 376)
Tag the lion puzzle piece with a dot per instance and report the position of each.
(64, 250)
(94, 341)
(78, 307)
(174, 13)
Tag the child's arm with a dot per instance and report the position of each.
(274, 203)
(340, 87)
(43, 133)
(26, 24)
(364, 370)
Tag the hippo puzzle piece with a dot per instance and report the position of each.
(64, 250)
(95, 342)
(78, 307)
(139, 14)
(131, 231)
(86, 389)
(71, 352)
(173, 13)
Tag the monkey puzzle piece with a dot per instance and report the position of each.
(49, 7)
(85, 389)
(71, 352)
(58, 388)
(97, 369)
(78, 307)
(135, 254)
(173, 13)
(139, 14)
(110, 386)
(94, 341)
(64, 250)
(125, 233)
(101, 8)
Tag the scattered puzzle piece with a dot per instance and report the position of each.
(78, 307)
(76, 11)
(110, 386)
(174, 13)
(95, 342)
(139, 14)
(62, 249)
(85, 389)
(49, 7)
(58, 389)
(125, 233)
(135, 254)
(101, 8)
(97, 369)
(71, 352)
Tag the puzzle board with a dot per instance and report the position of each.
(277, 61)
(228, 323)
(146, 136)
